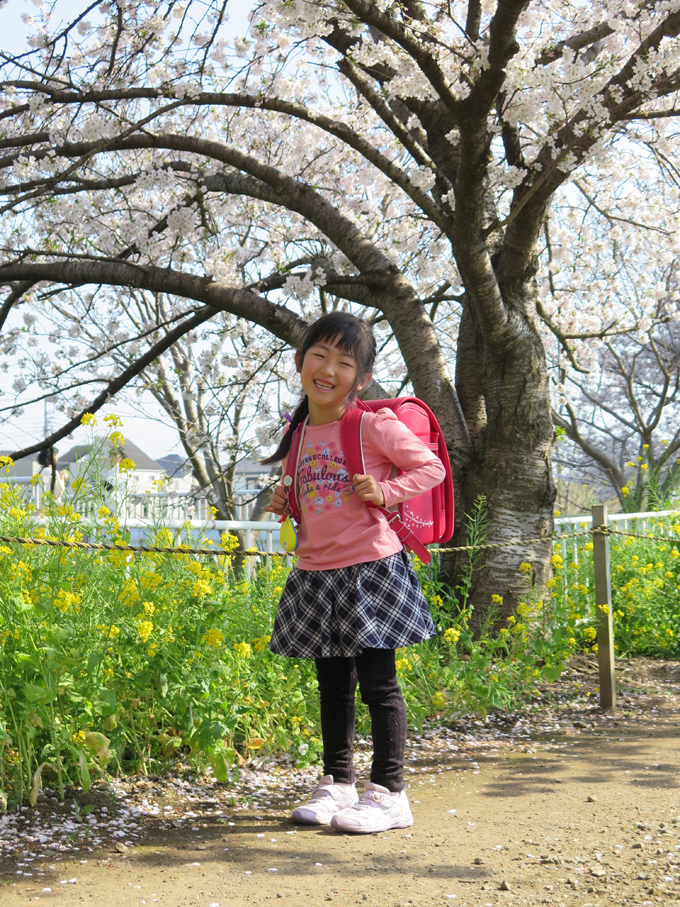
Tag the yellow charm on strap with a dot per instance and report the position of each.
(288, 535)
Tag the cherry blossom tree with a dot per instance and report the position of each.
(401, 158)
(623, 419)
(609, 304)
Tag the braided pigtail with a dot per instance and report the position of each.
(281, 451)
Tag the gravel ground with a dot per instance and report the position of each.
(556, 804)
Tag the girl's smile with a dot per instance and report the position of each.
(329, 377)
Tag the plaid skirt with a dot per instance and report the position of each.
(376, 605)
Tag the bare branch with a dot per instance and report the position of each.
(118, 383)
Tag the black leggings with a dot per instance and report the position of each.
(377, 676)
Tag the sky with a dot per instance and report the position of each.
(150, 434)
(13, 30)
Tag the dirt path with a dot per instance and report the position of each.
(562, 806)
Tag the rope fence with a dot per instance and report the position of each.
(607, 530)
(147, 549)
(600, 532)
(256, 552)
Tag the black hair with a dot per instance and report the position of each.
(354, 337)
(45, 456)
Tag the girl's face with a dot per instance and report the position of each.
(328, 375)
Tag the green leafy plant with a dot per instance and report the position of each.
(119, 662)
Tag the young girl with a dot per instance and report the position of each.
(353, 597)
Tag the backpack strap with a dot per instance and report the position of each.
(352, 447)
(292, 470)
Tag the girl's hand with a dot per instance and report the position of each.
(278, 501)
(368, 490)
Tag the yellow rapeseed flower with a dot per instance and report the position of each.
(150, 580)
(145, 629)
(452, 635)
(121, 558)
(200, 587)
(88, 419)
(164, 538)
(228, 541)
(129, 595)
(110, 632)
(242, 649)
(213, 637)
(66, 601)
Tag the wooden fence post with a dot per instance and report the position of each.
(603, 606)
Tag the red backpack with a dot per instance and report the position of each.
(423, 520)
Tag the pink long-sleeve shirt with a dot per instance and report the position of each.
(337, 528)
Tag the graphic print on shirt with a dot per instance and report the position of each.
(323, 479)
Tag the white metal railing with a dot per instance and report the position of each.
(260, 534)
(639, 521)
(616, 518)
(183, 511)
(177, 505)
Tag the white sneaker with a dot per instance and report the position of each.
(328, 799)
(377, 810)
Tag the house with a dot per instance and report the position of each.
(101, 462)
(169, 480)
(251, 475)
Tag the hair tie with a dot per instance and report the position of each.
(288, 417)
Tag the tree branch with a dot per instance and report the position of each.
(576, 42)
(118, 383)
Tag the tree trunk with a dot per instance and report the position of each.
(503, 389)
